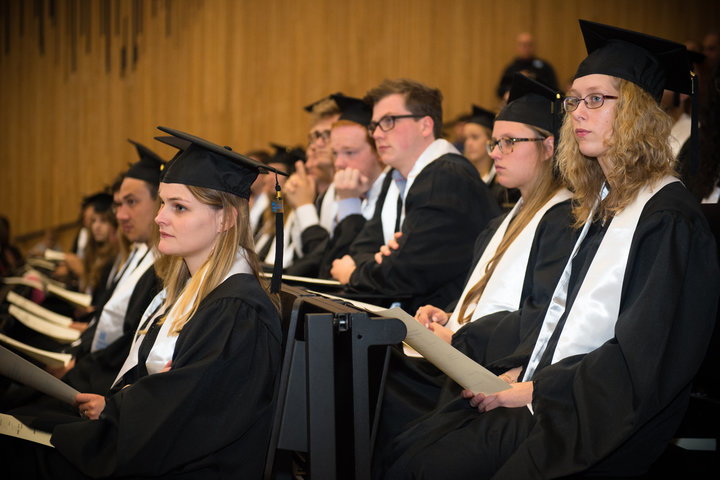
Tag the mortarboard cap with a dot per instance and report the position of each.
(205, 164)
(483, 117)
(287, 156)
(650, 62)
(533, 103)
(353, 109)
(149, 167)
(100, 201)
(310, 107)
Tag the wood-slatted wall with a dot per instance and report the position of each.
(79, 77)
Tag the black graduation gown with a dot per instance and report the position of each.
(318, 262)
(414, 386)
(210, 416)
(446, 208)
(611, 411)
(96, 371)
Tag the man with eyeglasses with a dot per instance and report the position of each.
(309, 190)
(103, 346)
(418, 246)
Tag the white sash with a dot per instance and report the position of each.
(164, 346)
(435, 150)
(112, 316)
(504, 289)
(591, 320)
(328, 210)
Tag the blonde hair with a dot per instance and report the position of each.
(639, 148)
(186, 296)
(545, 185)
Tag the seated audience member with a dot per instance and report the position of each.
(608, 379)
(309, 190)
(259, 200)
(477, 130)
(285, 160)
(357, 186)
(213, 333)
(434, 209)
(518, 258)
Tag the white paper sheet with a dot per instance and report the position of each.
(61, 334)
(51, 359)
(38, 310)
(17, 368)
(13, 427)
(78, 298)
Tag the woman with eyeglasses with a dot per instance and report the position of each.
(608, 379)
(194, 398)
(518, 259)
(477, 130)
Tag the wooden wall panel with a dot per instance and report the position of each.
(79, 77)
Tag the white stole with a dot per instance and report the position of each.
(591, 320)
(328, 210)
(164, 347)
(435, 150)
(504, 289)
(110, 322)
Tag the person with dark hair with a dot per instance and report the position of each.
(435, 203)
(608, 376)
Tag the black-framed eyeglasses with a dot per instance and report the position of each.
(387, 122)
(592, 100)
(506, 143)
(323, 135)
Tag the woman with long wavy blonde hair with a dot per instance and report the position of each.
(608, 378)
(195, 395)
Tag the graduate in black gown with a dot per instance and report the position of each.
(609, 375)
(518, 258)
(194, 397)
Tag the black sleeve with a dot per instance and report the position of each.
(445, 210)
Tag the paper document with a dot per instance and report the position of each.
(51, 359)
(13, 427)
(24, 281)
(54, 255)
(295, 278)
(61, 334)
(17, 368)
(78, 298)
(37, 310)
(41, 263)
(455, 364)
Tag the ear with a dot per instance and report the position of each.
(226, 220)
(426, 126)
(549, 146)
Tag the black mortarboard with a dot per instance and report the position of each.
(532, 103)
(205, 164)
(483, 117)
(208, 165)
(287, 156)
(309, 108)
(650, 62)
(175, 142)
(353, 109)
(149, 166)
(100, 201)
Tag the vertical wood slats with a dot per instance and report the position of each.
(239, 72)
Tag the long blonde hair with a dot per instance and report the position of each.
(545, 185)
(639, 148)
(175, 274)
